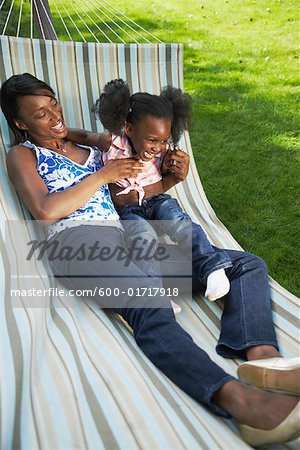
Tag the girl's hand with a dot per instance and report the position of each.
(117, 169)
(176, 162)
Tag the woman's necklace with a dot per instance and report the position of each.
(62, 147)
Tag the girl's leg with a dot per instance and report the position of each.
(192, 239)
(247, 317)
(247, 329)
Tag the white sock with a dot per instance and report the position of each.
(217, 285)
(176, 307)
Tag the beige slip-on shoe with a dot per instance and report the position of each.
(277, 374)
(287, 430)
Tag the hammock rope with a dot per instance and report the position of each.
(31, 23)
(69, 16)
(96, 25)
(62, 20)
(81, 20)
(47, 16)
(39, 20)
(20, 17)
(99, 21)
(110, 28)
(126, 24)
(8, 15)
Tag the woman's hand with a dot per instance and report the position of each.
(117, 169)
(21, 167)
(176, 162)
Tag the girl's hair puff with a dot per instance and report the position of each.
(182, 107)
(116, 106)
(113, 105)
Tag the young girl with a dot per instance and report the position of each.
(142, 126)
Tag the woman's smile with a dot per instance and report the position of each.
(44, 117)
(60, 127)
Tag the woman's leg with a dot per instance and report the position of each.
(141, 239)
(254, 407)
(156, 331)
(247, 329)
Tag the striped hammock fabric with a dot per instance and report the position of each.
(71, 375)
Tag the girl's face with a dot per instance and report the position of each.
(149, 137)
(41, 116)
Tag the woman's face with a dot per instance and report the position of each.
(41, 116)
(149, 136)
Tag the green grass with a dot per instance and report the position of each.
(241, 66)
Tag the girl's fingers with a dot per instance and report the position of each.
(182, 156)
(179, 151)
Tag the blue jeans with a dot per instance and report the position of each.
(246, 320)
(178, 226)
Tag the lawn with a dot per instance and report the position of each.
(241, 66)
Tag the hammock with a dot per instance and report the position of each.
(71, 375)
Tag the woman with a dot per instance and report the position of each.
(63, 184)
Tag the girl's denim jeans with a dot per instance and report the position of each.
(166, 216)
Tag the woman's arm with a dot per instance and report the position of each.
(21, 166)
(100, 140)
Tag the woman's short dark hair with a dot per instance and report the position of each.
(17, 86)
(116, 106)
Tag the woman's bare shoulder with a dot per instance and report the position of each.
(19, 152)
(18, 159)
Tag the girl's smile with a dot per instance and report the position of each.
(149, 137)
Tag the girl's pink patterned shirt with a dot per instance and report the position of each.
(121, 148)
